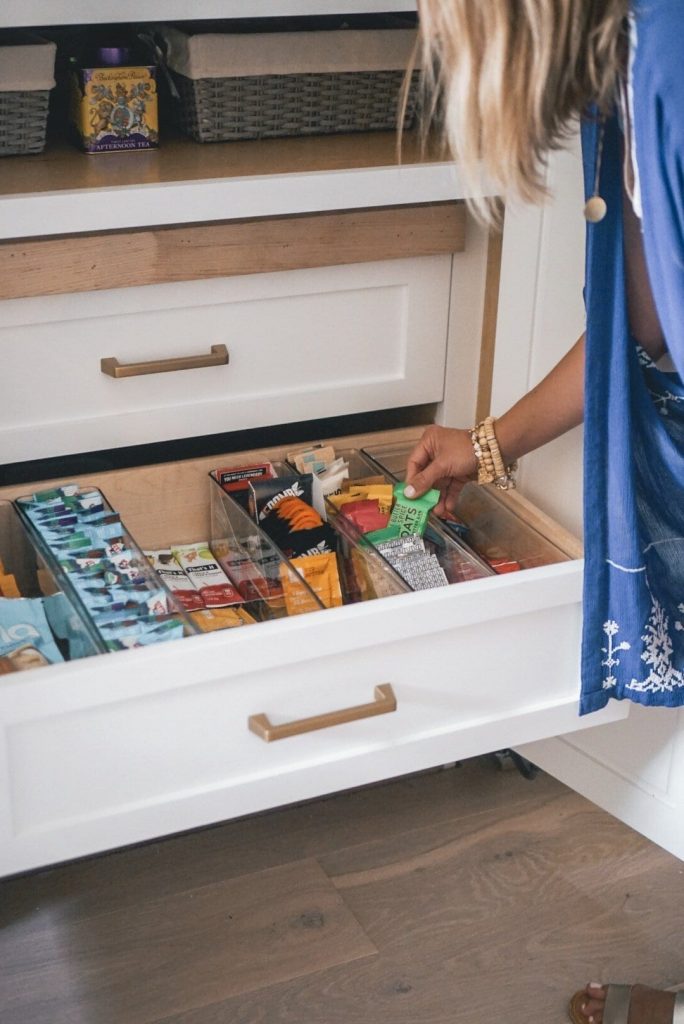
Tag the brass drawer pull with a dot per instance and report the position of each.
(113, 368)
(384, 701)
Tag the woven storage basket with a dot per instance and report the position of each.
(324, 82)
(23, 120)
(26, 78)
(260, 107)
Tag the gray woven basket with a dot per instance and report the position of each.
(268, 106)
(23, 120)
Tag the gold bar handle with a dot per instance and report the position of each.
(384, 702)
(218, 356)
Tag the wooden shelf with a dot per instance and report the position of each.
(64, 191)
(76, 12)
(64, 167)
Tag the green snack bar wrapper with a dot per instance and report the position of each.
(379, 536)
(411, 515)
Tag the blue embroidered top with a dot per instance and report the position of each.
(633, 640)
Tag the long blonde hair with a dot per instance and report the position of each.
(509, 77)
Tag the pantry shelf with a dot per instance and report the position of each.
(74, 12)
(63, 191)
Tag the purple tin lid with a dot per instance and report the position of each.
(112, 56)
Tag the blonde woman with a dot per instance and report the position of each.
(512, 77)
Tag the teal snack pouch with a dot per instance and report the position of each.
(411, 515)
(67, 626)
(143, 635)
(23, 621)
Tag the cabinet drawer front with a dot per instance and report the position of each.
(104, 752)
(330, 341)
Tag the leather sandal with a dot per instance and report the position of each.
(616, 1006)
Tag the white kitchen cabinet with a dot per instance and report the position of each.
(125, 747)
(330, 341)
(77, 12)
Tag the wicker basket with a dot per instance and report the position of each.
(23, 119)
(248, 86)
(26, 78)
(268, 106)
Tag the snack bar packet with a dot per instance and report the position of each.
(210, 619)
(366, 481)
(284, 511)
(322, 575)
(266, 494)
(504, 565)
(365, 514)
(332, 478)
(382, 493)
(399, 547)
(499, 561)
(313, 460)
(341, 499)
(142, 634)
(256, 578)
(67, 626)
(21, 657)
(175, 578)
(8, 586)
(23, 621)
(235, 479)
(378, 537)
(459, 528)
(320, 572)
(408, 555)
(411, 515)
(370, 576)
(88, 538)
(206, 575)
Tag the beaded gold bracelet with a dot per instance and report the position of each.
(491, 468)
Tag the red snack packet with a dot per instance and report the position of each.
(503, 565)
(365, 514)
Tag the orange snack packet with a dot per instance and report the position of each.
(8, 586)
(321, 573)
(210, 619)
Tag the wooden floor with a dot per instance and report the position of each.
(466, 896)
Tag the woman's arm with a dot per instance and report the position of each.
(444, 457)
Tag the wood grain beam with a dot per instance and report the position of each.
(489, 320)
(76, 263)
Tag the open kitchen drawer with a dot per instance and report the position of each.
(123, 747)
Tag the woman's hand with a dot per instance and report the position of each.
(443, 458)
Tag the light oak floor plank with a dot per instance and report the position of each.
(195, 948)
(156, 870)
(487, 897)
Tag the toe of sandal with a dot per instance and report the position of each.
(616, 1007)
(615, 1010)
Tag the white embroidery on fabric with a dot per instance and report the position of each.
(657, 655)
(610, 628)
(624, 568)
(661, 399)
(644, 358)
